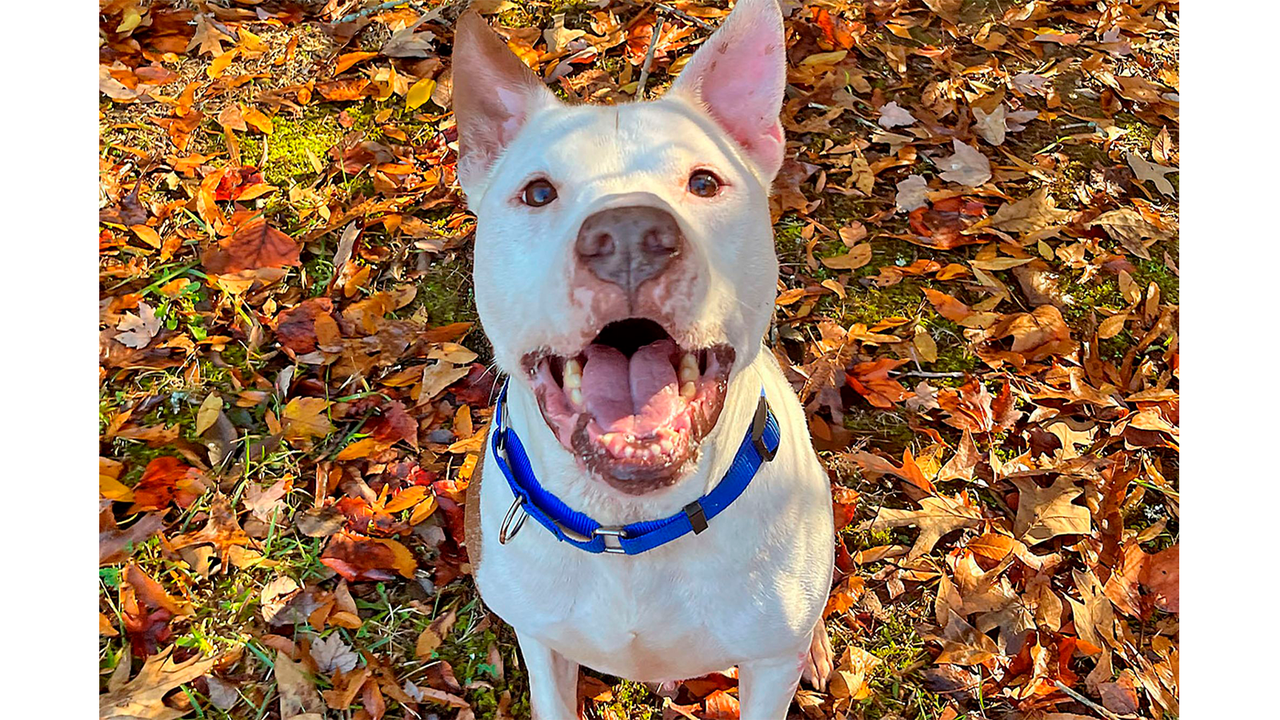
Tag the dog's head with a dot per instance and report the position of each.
(624, 259)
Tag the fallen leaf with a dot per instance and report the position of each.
(937, 516)
(858, 256)
(332, 655)
(143, 697)
(967, 166)
(1045, 513)
(137, 331)
(252, 246)
(363, 558)
(298, 696)
(912, 193)
(306, 417)
(1148, 171)
(894, 115)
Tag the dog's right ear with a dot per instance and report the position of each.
(494, 93)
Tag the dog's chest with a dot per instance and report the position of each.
(638, 618)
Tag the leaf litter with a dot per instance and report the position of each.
(977, 225)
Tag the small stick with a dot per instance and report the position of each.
(370, 10)
(686, 17)
(1086, 701)
(923, 374)
(648, 58)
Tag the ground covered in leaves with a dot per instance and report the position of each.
(978, 305)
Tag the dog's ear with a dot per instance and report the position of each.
(738, 76)
(494, 93)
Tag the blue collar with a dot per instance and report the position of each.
(758, 447)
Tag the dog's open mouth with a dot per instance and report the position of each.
(632, 405)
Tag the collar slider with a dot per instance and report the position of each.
(757, 431)
(697, 517)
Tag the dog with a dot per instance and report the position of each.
(625, 275)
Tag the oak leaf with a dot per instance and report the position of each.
(937, 516)
(1045, 513)
(967, 166)
(143, 697)
(1034, 212)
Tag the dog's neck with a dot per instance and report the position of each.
(562, 475)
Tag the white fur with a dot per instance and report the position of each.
(750, 589)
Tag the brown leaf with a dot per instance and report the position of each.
(254, 245)
(937, 516)
(720, 705)
(858, 256)
(298, 694)
(305, 417)
(355, 557)
(143, 697)
(113, 544)
(1045, 513)
(1160, 575)
(222, 529)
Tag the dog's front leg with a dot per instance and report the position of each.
(553, 681)
(768, 685)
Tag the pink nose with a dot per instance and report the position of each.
(626, 246)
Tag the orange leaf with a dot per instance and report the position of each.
(253, 246)
(871, 380)
(347, 60)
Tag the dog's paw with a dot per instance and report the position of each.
(821, 660)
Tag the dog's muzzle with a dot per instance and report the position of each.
(625, 246)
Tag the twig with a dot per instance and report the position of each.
(923, 374)
(1086, 701)
(373, 9)
(648, 58)
(686, 17)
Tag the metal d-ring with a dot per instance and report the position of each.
(506, 531)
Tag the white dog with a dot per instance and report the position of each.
(625, 274)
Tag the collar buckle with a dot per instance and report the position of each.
(612, 533)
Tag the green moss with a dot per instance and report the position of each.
(869, 305)
(1155, 271)
(446, 292)
(467, 652)
(888, 428)
(1137, 132)
(632, 700)
(896, 691)
(315, 131)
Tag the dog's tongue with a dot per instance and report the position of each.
(636, 395)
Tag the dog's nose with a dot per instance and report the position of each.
(627, 245)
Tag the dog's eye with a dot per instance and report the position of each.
(704, 183)
(538, 193)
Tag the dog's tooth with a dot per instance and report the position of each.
(688, 368)
(688, 389)
(628, 452)
(575, 397)
(572, 374)
(655, 448)
(667, 446)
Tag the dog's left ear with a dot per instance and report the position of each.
(494, 93)
(739, 75)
